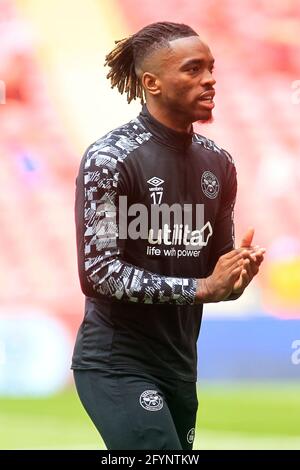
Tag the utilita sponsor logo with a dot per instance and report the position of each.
(181, 235)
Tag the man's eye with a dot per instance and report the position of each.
(193, 69)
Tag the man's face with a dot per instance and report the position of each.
(184, 73)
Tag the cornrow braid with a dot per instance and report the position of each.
(130, 52)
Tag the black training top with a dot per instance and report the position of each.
(138, 275)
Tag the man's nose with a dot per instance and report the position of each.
(208, 79)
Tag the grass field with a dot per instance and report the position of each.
(229, 417)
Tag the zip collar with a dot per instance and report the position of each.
(163, 134)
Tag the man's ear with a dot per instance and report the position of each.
(151, 83)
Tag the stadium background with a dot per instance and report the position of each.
(55, 101)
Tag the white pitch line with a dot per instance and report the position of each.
(213, 440)
(238, 441)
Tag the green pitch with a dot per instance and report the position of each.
(229, 417)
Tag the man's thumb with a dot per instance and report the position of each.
(247, 238)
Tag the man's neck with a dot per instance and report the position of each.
(164, 118)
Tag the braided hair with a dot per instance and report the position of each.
(128, 54)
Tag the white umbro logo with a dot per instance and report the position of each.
(155, 181)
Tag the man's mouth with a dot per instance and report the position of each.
(207, 95)
(206, 99)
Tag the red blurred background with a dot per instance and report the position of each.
(55, 101)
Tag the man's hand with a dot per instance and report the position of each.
(251, 264)
(233, 272)
(220, 283)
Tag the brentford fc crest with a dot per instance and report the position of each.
(151, 400)
(210, 185)
(191, 436)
